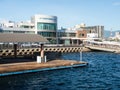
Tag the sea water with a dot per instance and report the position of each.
(102, 73)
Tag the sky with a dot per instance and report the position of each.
(69, 12)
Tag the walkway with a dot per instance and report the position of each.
(103, 46)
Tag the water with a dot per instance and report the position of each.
(102, 73)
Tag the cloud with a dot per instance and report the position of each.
(116, 3)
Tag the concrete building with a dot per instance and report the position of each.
(116, 37)
(92, 35)
(6, 23)
(95, 29)
(20, 27)
(78, 33)
(65, 36)
(71, 37)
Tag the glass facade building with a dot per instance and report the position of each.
(46, 26)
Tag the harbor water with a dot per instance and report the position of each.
(102, 73)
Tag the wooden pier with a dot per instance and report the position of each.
(28, 67)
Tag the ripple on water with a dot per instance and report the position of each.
(102, 73)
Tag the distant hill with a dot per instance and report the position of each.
(107, 33)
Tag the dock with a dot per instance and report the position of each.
(29, 67)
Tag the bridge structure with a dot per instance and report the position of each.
(98, 48)
(104, 46)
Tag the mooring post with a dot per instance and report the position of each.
(45, 59)
(42, 52)
(15, 50)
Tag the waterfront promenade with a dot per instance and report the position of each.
(99, 48)
(104, 46)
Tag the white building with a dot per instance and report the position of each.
(92, 35)
(117, 35)
(25, 24)
(6, 23)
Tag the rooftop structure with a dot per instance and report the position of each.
(15, 39)
(18, 38)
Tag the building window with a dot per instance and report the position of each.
(47, 34)
(46, 26)
(81, 35)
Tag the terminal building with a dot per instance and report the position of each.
(44, 25)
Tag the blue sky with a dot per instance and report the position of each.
(69, 12)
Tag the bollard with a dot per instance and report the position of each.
(38, 59)
(45, 59)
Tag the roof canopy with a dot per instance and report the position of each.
(16, 38)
